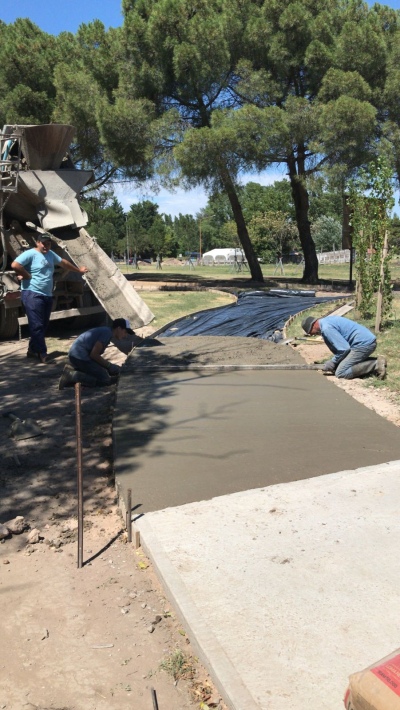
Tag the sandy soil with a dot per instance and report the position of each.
(91, 638)
(77, 639)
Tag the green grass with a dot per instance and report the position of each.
(293, 271)
(167, 306)
(179, 665)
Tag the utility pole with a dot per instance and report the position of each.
(200, 238)
(127, 240)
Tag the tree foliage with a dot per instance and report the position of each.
(27, 60)
(201, 93)
(371, 201)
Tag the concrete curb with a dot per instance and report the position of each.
(209, 651)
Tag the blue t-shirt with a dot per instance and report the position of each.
(83, 345)
(342, 335)
(41, 267)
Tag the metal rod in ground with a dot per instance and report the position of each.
(129, 515)
(154, 696)
(78, 416)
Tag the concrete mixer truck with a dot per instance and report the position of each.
(39, 192)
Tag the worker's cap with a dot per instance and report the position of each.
(308, 323)
(43, 238)
(122, 323)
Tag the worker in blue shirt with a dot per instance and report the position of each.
(351, 345)
(35, 269)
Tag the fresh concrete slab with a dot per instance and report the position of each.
(287, 589)
(187, 436)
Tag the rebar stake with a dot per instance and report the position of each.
(78, 414)
(154, 696)
(129, 514)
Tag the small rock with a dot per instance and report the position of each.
(45, 635)
(4, 532)
(6, 562)
(157, 619)
(17, 525)
(33, 536)
(143, 605)
(125, 610)
(150, 629)
(132, 595)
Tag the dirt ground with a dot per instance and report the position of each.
(101, 637)
(78, 639)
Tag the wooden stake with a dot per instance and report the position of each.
(379, 300)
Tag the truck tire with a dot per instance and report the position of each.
(8, 322)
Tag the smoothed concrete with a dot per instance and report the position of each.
(183, 437)
(286, 590)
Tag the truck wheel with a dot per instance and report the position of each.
(8, 322)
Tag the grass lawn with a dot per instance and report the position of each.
(167, 306)
(293, 271)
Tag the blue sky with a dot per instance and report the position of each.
(68, 15)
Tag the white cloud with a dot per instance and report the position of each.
(181, 201)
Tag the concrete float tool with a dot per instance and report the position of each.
(23, 428)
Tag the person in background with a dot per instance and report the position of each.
(35, 269)
(90, 368)
(351, 345)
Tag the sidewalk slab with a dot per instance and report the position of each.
(288, 589)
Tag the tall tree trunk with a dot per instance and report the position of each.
(254, 265)
(301, 204)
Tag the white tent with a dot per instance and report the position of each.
(223, 256)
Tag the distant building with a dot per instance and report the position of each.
(224, 256)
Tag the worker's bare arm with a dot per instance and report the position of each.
(20, 271)
(96, 355)
(71, 267)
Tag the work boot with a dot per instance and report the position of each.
(67, 378)
(380, 367)
(367, 367)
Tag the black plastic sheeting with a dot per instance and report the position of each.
(256, 314)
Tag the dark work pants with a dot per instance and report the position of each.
(98, 373)
(359, 360)
(38, 310)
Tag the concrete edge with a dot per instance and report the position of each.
(207, 648)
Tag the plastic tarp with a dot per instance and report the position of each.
(256, 314)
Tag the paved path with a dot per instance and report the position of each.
(269, 555)
(287, 590)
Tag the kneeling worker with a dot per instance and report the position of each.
(86, 356)
(352, 345)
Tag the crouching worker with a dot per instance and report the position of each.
(90, 368)
(351, 343)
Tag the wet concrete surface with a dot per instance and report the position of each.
(184, 437)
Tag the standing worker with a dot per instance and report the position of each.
(279, 263)
(352, 345)
(86, 356)
(35, 269)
